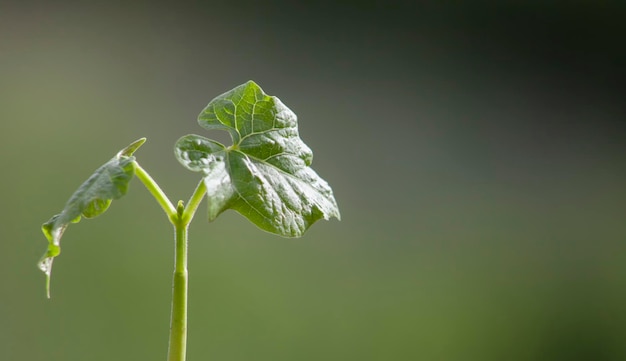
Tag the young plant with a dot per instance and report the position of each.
(264, 175)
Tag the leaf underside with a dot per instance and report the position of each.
(265, 174)
(91, 199)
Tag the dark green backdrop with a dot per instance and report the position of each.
(476, 152)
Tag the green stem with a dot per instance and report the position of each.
(180, 217)
(156, 191)
(193, 203)
(178, 323)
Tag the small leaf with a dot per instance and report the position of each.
(265, 175)
(91, 199)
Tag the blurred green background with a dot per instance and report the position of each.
(477, 153)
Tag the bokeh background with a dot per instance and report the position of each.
(477, 152)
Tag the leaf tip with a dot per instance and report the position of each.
(48, 286)
(132, 147)
(45, 265)
(251, 85)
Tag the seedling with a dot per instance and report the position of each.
(264, 175)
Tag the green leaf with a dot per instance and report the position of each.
(265, 175)
(91, 199)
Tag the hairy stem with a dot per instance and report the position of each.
(178, 323)
(180, 217)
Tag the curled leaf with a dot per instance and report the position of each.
(265, 175)
(91, 199)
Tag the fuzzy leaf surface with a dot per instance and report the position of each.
(265, 175)
(91, 199)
